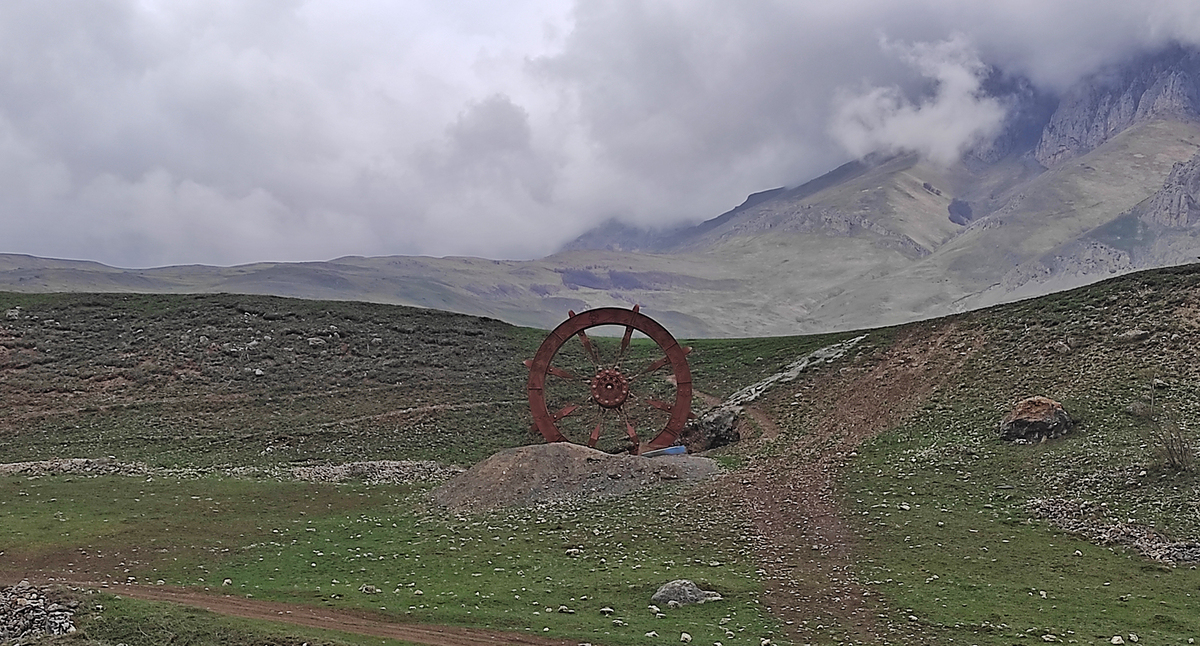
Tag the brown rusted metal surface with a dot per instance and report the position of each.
(609, 390)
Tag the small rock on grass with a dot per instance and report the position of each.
(681, 592)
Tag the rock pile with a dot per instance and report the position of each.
(379, 472)
(27, 613)
(1035, 419)
(1088, 520)
(561, 472)
(74, 466)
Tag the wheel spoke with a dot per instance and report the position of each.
(652, 367)
(625, 339)
(595, 436)
(660, 405)
(562, 374)
(591, 350)
(565, 411)
(659, 364)
(587, 344)
(631, 433)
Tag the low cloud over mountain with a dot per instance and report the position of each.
(152, 133)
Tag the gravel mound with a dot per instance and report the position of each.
(561, 471)
(73, 466)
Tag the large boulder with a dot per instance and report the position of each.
(1035, 419)
(716, 428)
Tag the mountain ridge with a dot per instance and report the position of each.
(1101, 180)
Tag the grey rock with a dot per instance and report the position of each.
(1103, 105)
(682, 592)
(716, 428)
(1175, 206)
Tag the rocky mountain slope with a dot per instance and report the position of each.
(1101, 180)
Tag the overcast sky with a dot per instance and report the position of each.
(154, 132)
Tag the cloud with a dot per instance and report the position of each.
(954, 116)
(145, 132)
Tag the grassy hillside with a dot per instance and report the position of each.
(947, 534)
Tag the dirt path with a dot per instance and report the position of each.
(806, 548)
(348, 621)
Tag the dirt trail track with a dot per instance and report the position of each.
(806, 547)
(327, 619)
(347, 621)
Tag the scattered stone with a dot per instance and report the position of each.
(379, 472)
(1035, 419)
(683, 591)
(367, 588)
(685, 638)
(28, 613)
(227, 582)
(1131, 336)
(1117, 639)
(606, 611)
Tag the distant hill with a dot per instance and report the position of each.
(1102, 180)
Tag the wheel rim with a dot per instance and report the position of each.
(586, 405)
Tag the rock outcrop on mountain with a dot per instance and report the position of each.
(1164, 85)
(1177, 204)
(1026, 112)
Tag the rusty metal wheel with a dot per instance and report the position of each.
(591, 385)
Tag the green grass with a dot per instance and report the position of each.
(951, 541)
(944, 505)
(321, 544)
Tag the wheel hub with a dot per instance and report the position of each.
(610, 388)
